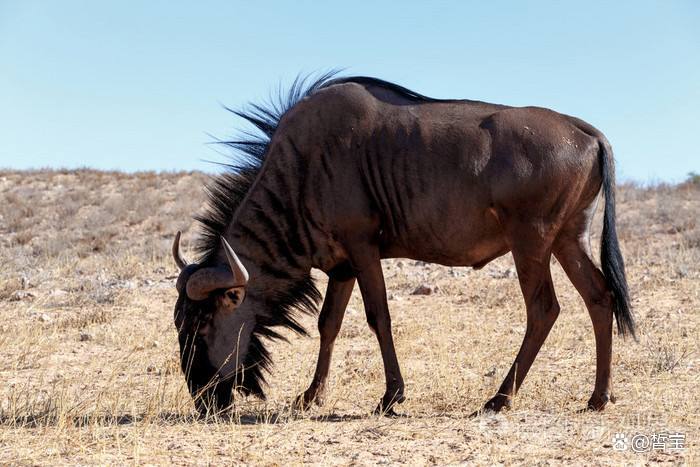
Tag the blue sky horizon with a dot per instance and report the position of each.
(142, 85)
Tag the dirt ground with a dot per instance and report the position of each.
(89, 370)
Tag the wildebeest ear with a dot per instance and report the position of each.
(234, 296)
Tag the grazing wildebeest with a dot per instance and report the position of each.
(352, 170)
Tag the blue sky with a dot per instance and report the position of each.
(136, 85)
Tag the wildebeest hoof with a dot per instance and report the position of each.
(389, 413)
(597, 402)
(301, 402)
(387, 403)
(494, 405)
(304, 400)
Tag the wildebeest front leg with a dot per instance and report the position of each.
(371, 281)
(542, 311)
(329, 321)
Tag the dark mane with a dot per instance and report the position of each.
(303, 297)
(226, 191)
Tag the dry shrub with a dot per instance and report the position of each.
(666, 358)
(9, 286)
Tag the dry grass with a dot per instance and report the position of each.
(88, 354)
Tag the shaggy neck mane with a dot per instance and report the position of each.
(225, 194)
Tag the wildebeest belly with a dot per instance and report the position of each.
(473, 241)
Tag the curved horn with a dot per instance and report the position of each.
(240, 275)
(179, 260)
(206, 280)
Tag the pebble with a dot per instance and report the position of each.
(44, 318)
(425, 289)
(505, 274)
(21, 295)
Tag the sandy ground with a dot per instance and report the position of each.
(89, 372)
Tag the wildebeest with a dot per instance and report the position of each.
(348, 171)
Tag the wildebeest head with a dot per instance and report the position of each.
(215, 324)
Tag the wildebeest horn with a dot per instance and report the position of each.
(240, 275)
(206, 280)
(179, 260)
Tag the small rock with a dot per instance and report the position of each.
(424, 289)
(84, 337)
(491, 372)
(155, 344)
(44, 318)
(506, 274)
(21, 295)
(150, 369)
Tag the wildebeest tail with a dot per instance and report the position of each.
(610, 254)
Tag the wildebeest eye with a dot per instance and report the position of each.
(236, 295)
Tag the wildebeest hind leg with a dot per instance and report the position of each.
(542, 311)
(574, 256)
(329, 321)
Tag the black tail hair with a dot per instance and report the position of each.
(610, 255)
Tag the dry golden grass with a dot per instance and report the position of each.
(88, 353)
